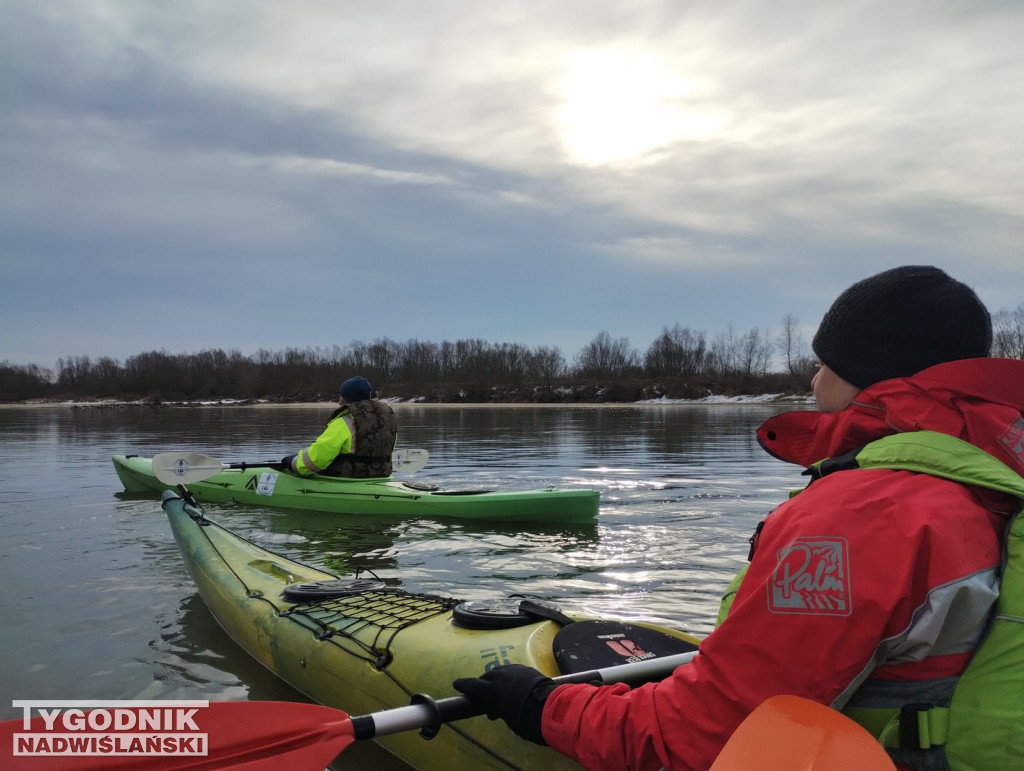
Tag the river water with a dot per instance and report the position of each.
(96, 603)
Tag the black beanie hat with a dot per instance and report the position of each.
(355, 389)
(899, 322)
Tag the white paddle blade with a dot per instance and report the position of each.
(410, 460)
(180, 468)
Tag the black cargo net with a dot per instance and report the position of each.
(365, 623)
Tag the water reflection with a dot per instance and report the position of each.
(198, 656)
(97, 602)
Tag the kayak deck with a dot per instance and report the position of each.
(370, 649)
(266, 486)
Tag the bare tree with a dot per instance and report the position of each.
(723, 360)
(418, 362)
(754, 353)
(605, 357)
(23, 381)
(788, 340)
(548, 364)
(383, 358)
(676, 351)
(1008, 333)
(791, 346)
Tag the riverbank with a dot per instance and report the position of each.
(97, 404)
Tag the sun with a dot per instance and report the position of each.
(617, 106)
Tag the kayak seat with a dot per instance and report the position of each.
(586, 645)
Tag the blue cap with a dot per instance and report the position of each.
(355, 389)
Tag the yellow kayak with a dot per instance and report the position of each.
(360, 646)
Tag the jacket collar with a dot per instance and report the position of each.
(978, 400)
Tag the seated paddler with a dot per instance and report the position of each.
(358, 441)
(880, 590)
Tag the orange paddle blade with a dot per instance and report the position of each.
(790, 733)
(250, 735)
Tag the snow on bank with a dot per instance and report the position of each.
(744, 399)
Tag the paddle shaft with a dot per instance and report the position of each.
(186, 467)
(254, 464)
(427, 714)
(404, 460)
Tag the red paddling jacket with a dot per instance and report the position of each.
(868, 579)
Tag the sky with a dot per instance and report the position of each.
(253, 174)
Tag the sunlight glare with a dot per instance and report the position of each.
(618, 106)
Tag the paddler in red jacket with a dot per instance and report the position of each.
(871, 585)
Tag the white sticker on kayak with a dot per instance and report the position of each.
(266, 485)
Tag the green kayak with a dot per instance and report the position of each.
(269, 486)
(360, 646)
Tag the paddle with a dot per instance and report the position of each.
(178, 468)
(276, 735)
(789, 733)
(256, 735)
(786, 733)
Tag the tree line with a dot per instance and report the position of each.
(679, 363)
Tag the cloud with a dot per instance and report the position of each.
(524, 171)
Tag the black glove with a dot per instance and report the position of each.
(286, 462)
(513, 692)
